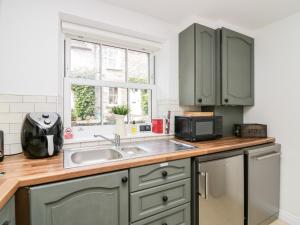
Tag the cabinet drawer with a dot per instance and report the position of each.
(179, 215)
(157, 174)
(7, 213)
(155, 200)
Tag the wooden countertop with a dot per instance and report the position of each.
(20, 172)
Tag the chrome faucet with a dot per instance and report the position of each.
(116, 141)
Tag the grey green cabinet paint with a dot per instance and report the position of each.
(215, 67)
(7, 213)
(237, 68)
(157, 199)
(197, 66)
(95, 200)
(179, 215)
(158, 174)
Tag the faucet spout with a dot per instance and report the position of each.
(116, 141)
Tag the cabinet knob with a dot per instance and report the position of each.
(165, 198)
(226, 100)
(164, 173)
(124, 179)
(200, 100)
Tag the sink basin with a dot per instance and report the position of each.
(105, 154)
(132, 150)
(95, 156)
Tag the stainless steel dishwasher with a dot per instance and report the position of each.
(218, 188)
(262, 184)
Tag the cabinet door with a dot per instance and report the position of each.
(237, 68)
(7, 213)
(187, 66)
(158, 199)
(205, 65)
(95, 200)
(158, 174)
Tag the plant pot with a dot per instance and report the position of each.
(120, 125)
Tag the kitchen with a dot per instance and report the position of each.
(186, 52)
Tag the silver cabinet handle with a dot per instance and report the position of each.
(205, 175)
(267, 156)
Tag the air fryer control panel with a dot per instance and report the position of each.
(45, 120)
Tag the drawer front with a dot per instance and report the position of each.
(179, 215)
(155, 200)
(7, 213)
(158, 174)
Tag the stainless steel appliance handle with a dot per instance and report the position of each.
(267, 156)
(50, 144)
(205, 175)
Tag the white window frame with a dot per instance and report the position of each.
(69, 81)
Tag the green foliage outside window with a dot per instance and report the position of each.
(85, 97)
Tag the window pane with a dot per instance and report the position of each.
(84, 60)
(139, 101)
(85, 105)
(138, 67)
(113, 63)
(112, 97)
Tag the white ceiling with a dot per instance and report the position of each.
(250, 14)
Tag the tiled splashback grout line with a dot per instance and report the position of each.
(13, 109)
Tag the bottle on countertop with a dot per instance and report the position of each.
(133, 128)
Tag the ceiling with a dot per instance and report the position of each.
(250, 14)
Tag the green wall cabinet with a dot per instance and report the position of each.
(237, 68)
(7, 213)
(215, 67)
(95, 200)
(197, 66)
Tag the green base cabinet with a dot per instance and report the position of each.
(95, 200)
(7, 213)
(197, 66)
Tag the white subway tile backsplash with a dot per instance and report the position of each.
(10, 98)
(11, 117)
(6, 149)
(22, 107)
(45, 107)
(15, 148)
(12, 138)
(13, 109)
(15, 128)
(4, 127)
(51, 99)
(34, 98)
(4, 107)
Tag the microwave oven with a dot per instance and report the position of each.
(193, 128)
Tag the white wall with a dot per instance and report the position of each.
(30, 42)
(277, 102)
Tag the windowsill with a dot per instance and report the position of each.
(127, 138)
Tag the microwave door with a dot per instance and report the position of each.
(204, 127)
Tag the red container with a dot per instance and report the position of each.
(157, 126)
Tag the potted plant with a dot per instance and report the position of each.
(119, 113)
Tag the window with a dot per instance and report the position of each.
(100, 76)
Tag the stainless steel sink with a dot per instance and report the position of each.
(96, 155)
(132, 150)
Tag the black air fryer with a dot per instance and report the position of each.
(42, 135)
